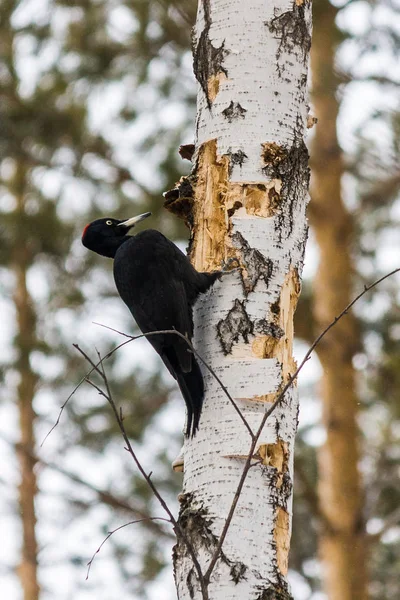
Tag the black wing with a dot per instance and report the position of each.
(159, 285)
(166, 308)
(148, 275)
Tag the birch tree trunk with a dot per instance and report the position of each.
(246, 198)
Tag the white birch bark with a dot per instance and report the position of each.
(250, 186)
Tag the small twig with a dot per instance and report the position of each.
(63, 406)
(96, 387)
(110, 533)
(132, 338)
(104, 496)
(84, 378)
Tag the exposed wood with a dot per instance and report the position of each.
(209, 217)
(287, 306)
(282, 534)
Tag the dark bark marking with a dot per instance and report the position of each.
(291, 29)
(276, 465)
(279, 495)
(237, 323)
(207, 60)
(295, 175)
(238, 572)
(257, 265)
(290, 165)
(207, 11)
(195, 521)
(236, 158)
(234, 111)
(275, 593)
(191, 580)
(267, 328)
(274, 198)
(276, 308)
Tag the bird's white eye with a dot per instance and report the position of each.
(109, 222)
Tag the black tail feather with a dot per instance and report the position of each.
(192, 387)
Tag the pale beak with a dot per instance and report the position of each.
(131, 222)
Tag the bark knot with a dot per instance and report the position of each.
(273, 155)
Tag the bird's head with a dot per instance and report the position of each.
(104, 236)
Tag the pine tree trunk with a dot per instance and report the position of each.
(249, 197)
(26, 341)
(342, 540)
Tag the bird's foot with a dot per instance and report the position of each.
(226, 267)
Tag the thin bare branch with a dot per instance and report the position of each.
(84, 378)
(110, 533)
(104, 496)
(132, 338)
(99, 368)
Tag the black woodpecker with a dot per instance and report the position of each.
(159, 286)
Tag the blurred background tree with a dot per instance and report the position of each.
(96, 98)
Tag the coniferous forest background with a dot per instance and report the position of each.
(96, 98)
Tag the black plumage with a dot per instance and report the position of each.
(159, 285)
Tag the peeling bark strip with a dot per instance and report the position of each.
(249, 184)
